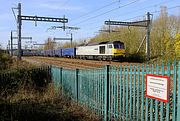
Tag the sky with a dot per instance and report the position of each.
(88, 15)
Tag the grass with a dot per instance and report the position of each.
(7, 63)
(31, 105)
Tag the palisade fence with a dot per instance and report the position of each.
(118, 93)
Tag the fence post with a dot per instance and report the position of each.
(77, 85)
(106, 94)
(61, 81)
(178, 100)
(50, 75)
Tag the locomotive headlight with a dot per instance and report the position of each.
(118, 52)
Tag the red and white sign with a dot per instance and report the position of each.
(157, 87)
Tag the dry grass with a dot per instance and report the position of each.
(31, 105)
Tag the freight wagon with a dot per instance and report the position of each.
(102, 51)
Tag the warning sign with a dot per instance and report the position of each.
(157, 87)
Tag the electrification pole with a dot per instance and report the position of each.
(8, 45)
(148, 37)
(64, 28)
(145, 23)
(19, 23)
(12, 38)
(71, 39)
(33, 18)
(11, 43)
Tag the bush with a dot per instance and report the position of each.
(30, 105)
(5, 61)
(137, 57)
(12, 80)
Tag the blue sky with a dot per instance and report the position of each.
(88, 15)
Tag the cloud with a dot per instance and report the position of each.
(59, 7)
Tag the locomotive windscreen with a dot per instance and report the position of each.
(118, 45)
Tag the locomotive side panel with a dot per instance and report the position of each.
(94, 50)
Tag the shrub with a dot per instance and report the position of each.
(137, 57)
(12, 80)
(5, 61)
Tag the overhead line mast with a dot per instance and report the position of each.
(65, 27)
(145, 23)
(32, 18)
(12, 38)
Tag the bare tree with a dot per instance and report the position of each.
(49, 44)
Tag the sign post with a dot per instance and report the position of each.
(157, 87)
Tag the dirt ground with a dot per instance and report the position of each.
(72, 63)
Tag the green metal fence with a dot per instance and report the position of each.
(118, 93)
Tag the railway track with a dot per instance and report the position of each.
(72, 63)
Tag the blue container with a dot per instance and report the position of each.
(58, 52)
(42, 53)
(27, 53)
(69, 52)
(37, 53)
(46, 52)
(51, 53)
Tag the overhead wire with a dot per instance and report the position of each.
(144, 8)
(140, 9)
(112, 3)
(177, 6)
(14, 14)
(122, 20)
(135, 10)
(106, 12)
(118, 8)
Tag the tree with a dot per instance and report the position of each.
(163, 40)
(49, 44)
(177, 45)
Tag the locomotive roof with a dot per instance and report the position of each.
(106, 42)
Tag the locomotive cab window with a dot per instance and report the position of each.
(110, 46)
(118, 46)
(102, 49)
(122, 46)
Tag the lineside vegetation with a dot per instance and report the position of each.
(27, 94)
(164, 40)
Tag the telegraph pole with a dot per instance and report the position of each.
(148, 37)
